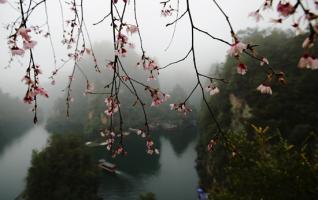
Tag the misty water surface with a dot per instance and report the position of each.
(170, 176)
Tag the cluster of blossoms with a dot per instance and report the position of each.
(123, 41)
(112, 106)
(151, 147)
(212, 89)
(149, 142)
(27, 42)
(308, 62)
(33, 88)
(150, 65)
(285, 8)
(157, 96)
(110, 140)
(236, 50)
(181, 107)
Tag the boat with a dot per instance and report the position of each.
(110, 167)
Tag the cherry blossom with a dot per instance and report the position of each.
(241, 68)
(236, 49)
(151, 147)
(27, 80)
(111, 65)
(132, 29)
(181, 107)
(17, 51)
(29, 44)
(28, 97)
(305, 61)
(308, 43)
(157, 97)
(256, 15)
(308, 62)
(212, 89)
(24, 32)
(112, 106)
(264, 89)
(264, 61)
(285, 9)
(151, 78)
(41, 91)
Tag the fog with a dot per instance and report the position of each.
(156, 37)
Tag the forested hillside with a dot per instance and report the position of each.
(290, 113)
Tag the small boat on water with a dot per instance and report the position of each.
(107, 166)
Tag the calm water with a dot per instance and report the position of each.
(170, 176)
(15, 161)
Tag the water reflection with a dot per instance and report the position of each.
(170, 176)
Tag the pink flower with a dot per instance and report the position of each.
(180, 108)
(41, 91)
(27, 80)
(132, 29)
(314, 64)
(241, 69)
(28, 98)
(112, 106)
(124, 78)
(236, 49)
(151, 78)
(157, 97)
(264, 89)
(212, 89)
(17, 51)
(3, 1)
(305, 61)
(29, 44)
(150, 147)
(24, 32)
(285, 9)
(111, 65)
(308, 43)
(256, 15)
(264, 61)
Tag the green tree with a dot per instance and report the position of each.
(63, 170)
(265, 167)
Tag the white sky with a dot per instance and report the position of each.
(155, 35)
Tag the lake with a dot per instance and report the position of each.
(171, 175)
